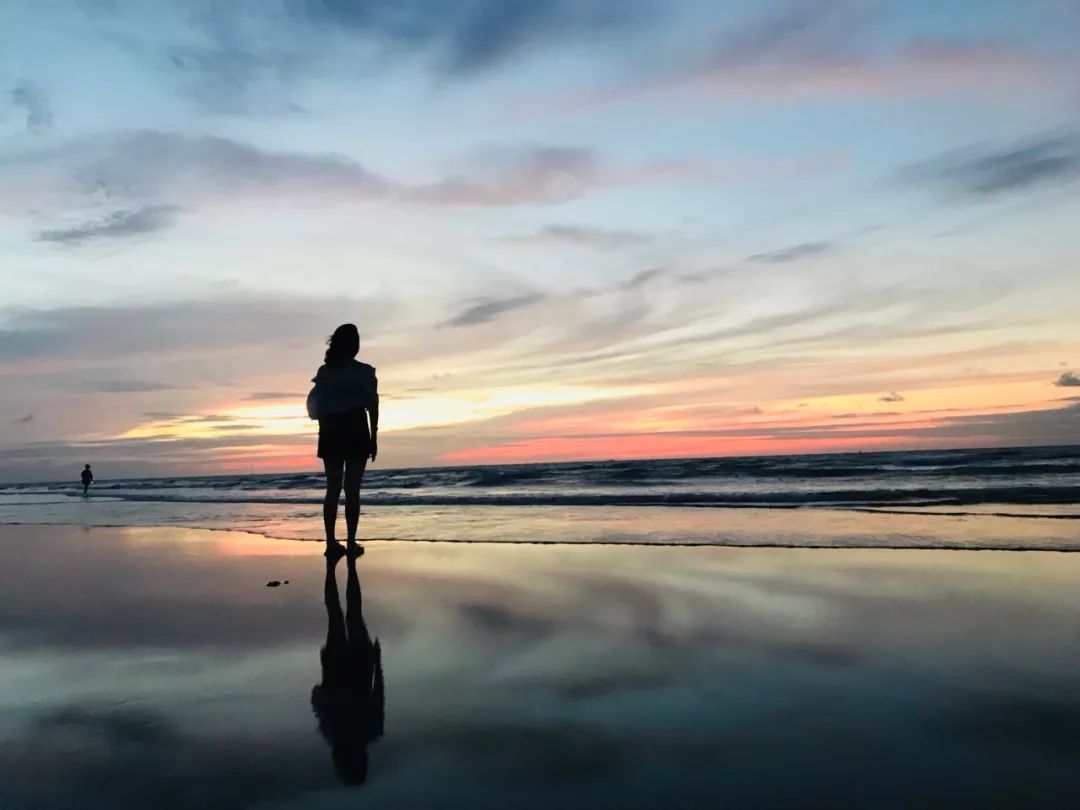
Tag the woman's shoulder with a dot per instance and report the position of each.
(365, 368)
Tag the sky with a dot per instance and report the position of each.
(566, 229)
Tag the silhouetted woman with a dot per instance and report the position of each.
(344, 399)
(350, 702)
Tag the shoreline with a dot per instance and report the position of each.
(563, 525)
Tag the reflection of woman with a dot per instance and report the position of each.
(350, 702)
(345, 396)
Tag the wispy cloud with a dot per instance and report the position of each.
(117, 225)
(160, 172)
(260, 396)
(582, 236)
(1068, 380)
(871, 414)
(641, 279)
(34, 103)
(466, 37)
(818, 48)
(483, 310)
(892, 396)
(148, 162)
(182, 326)
(806, 250)
(126, 386)
(917, 70)
(25, 420)
(515, 177)
(1043, 162)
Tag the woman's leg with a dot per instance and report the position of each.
(333, 469)
(354, 476)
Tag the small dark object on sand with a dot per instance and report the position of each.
(272, 583)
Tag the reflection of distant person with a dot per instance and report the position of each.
(345, 397)
(87, 478)
(350, 701)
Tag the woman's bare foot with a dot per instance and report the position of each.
(355, 549)
(334, 550)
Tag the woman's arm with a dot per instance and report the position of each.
(373, 416)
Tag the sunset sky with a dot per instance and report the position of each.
(567, 229)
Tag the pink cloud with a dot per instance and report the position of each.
(922, 69)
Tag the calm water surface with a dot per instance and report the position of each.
(154, 667)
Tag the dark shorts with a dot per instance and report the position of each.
(344, 436)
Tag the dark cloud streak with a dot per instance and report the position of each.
(1044, 162)
(35, 103)
(127, 386)
(581, 236)
(118, 225)
(478, 34)
(805, 250)
(260, 396)
(484, 310)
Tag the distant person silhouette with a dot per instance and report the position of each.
(350, 701)
(345, 397)
(87, 478)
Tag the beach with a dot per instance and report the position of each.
(154, 666)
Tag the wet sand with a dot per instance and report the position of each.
(153, 667)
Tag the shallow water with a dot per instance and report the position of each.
(1006, 498)
(154, 666)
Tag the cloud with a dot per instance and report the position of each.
(516, 177)
(830, 49)
(258, 396)
(35, 103)
(25, 420)
(127, 386)
(641, 279)
(483, 310)
(240, 57)
(599, 238)
(919, 69)
(1047, 161)
(1068, 380)
(149, 174)
(805, 250)
(163, 171)
(144, 162)
(873, 414)
(790, 30)
(892, 396)
(177, 327)
(471, 36)
(120, 224)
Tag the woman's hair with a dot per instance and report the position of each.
(343, 345)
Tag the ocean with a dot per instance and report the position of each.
(1010, 498)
